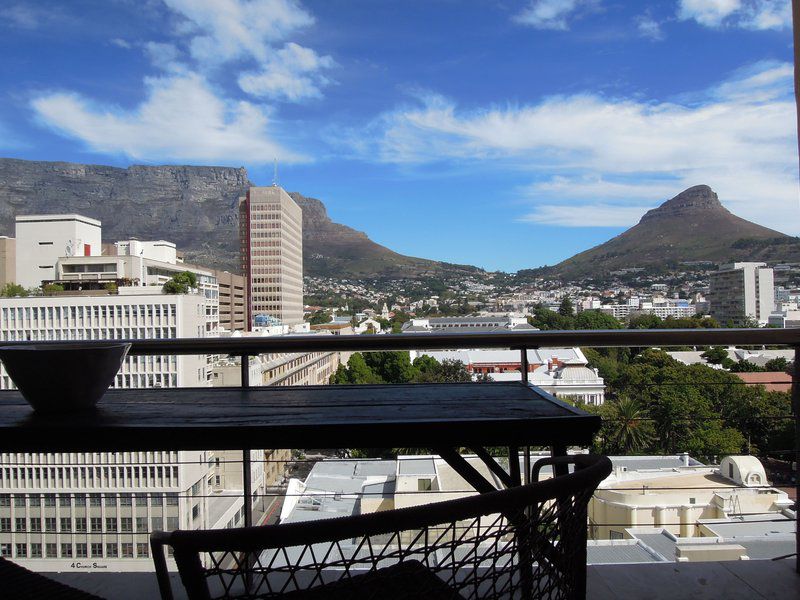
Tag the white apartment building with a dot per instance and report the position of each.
(271, 238)
(42, 239)
(115, 317)
(94, 511)
(742, 290)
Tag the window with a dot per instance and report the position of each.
(97, 524)
(172, 499)
(127, 550)
(36, 551)
(19, 524)
(5, 549)
(49, 499)
(172, 523)
(97, 550)
(730, 470)
(110, 500)
(141, 524)
(126, 499)
(111, 523)
(22, 550)
(80, 500)
(158, 523)
(66, 550)
(36, 524)
(63, 501)
(94, 499)
(50, 524)
(142, 550)
(5, 524)
(80, 550)
(5, 500)
(195, 511)
(111, 550)
(127, 524)
(424, 485)
(692, 500)
(51, 550)
(80, 524)
(66, 524)
(35, 501)
(615, 535)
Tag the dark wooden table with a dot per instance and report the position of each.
(441, 417)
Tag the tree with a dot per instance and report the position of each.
(566, 308)
(13, 290)
(180, 283)
(52, 288)
(391, 367)
(454, 371)
(776, 364)
(356, 372)
(320, 317)
(745, 366)
(626, 427)
(645, 321)
(595, 319)
(715, 355)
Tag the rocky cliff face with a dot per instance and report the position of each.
(195, 207)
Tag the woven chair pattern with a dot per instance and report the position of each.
(528, 547)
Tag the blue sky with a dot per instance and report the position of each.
(506, 134)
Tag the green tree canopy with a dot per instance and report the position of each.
(13, 290)
(180, 283)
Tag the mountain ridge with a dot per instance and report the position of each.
(195, 207)
(693, 226)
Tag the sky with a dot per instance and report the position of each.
(506, 134)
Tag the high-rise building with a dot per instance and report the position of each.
(232, 301)
(741, 291)
(271, 236)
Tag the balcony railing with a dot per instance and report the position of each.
(521, 341)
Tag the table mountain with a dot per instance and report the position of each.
(692, 226)
(195, 207)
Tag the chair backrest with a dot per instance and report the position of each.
(526, 541)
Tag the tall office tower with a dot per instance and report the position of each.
(742, 290)
(271, 237)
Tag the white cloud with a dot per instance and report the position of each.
(120, 43)
(586, 215)
(164, 56)
(551, 14)
(24, 16)
(181, 119)
(745, 14)
(737, 136)
(291, 73)
(648, 27)
(224, 30)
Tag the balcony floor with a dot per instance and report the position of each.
(731, 580)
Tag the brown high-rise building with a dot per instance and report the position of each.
(271, 236)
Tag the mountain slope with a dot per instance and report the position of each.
(195, 207)
(692, 226)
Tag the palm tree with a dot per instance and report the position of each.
(627, 426)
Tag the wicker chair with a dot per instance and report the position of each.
(521, 542)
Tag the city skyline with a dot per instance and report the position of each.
(557, 122)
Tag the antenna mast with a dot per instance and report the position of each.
(275, 173)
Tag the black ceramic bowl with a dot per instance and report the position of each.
(63, 377)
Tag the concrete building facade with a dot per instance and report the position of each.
(42, 239)
(740, 291)
(232, 301)
(8, 260)
(271, 237)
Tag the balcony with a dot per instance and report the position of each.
(176, 426)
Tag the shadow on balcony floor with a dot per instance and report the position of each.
(734, 580)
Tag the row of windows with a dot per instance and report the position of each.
(78, 477)
(82, 458)
(88, 313)
(109, 499)
(79, 550)
(65, 333)
(84, 525)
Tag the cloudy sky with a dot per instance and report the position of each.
(505, 134)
